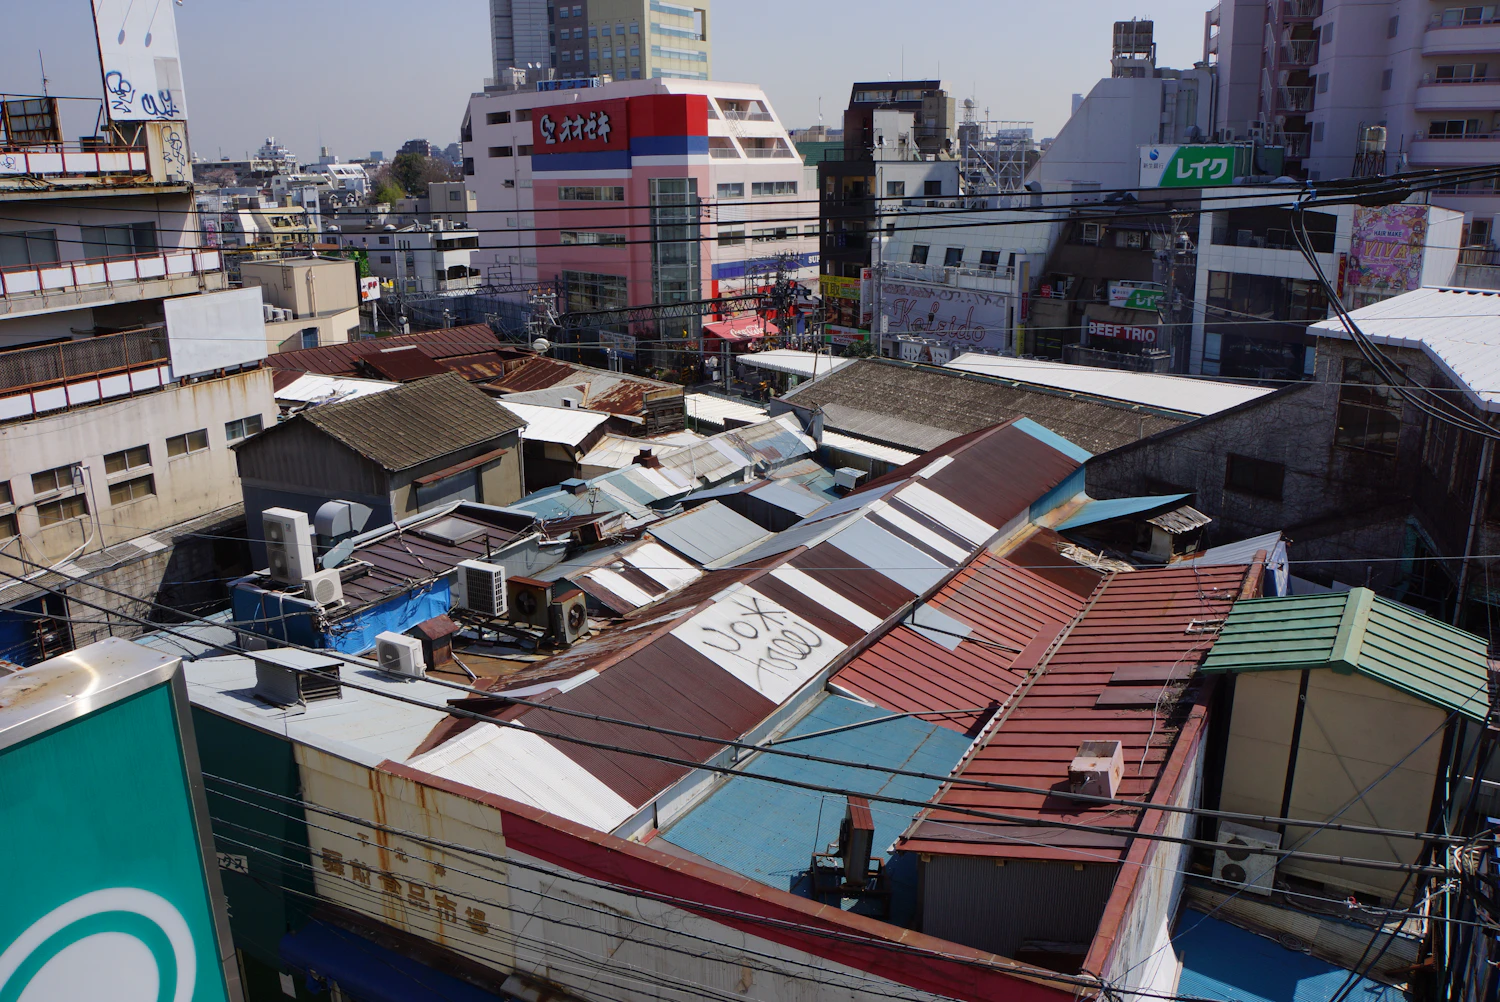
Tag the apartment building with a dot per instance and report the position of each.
(624, 39)
(1365, 88)
(639, 191)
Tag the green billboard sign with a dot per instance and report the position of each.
(118, 897)
(1191, 166)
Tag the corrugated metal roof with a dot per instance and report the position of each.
(1272, 544)
(1357, 631)
(1012, 612)
(1094, 512)
(343, 359)
(412, 424)
(402, 364)
(768, 831)
(860, 447)
(641, 574)
(1459, 329)
(708, 532)
(547, 381)
(313, 388)
(1194, 396)
(703, 407)
(1145, 619)
(922, 406)
(797, 363)
(561, 425)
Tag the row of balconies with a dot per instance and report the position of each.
(70, 284)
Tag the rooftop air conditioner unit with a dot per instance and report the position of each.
(289, 549)
(529, 601)
(324, 588)
(480, 588)
(1248, 871)
(400, 654)
(288, 677)
(569, 617)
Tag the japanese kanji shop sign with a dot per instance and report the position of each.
(580, 128)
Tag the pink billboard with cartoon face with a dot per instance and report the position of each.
(1385, 253)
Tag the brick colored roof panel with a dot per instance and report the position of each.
(343, 359)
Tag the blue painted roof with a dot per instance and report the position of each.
(768, 832)
(1094, 512)
(1226, 963)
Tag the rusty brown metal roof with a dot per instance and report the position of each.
(343, 359)
(402, 365)
(1132, 638)
(535, 374)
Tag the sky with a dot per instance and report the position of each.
(363, 75)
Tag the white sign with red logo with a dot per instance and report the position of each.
(1123, 332)
(369, 289)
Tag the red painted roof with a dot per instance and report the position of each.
(1143, 619)
(1014, 613)
(343, 359)
(742, 329)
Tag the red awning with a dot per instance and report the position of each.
(741, 329)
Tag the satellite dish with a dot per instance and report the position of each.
(540, 345)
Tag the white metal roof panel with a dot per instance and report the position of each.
(1459, 329)
(890, 556)
(315, 388)
(826, 597)
(662, 566)
(509, 762)
(714, 410)
(859, 447)
(796, 363)
(1184, 394)
(924, 499)
(560, 425)
(708, 532)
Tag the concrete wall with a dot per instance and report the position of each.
(186, 486)
(307, 288)
(336, 328)
(1354, 730)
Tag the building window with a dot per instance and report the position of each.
(1256, 477)
(23, 248)
(1393, 26)
(128, 459)
(895, 189)
(1328, 34)
(1091, 234)
(731, 236)
(1323, 82)
(497, 118)
(122, 240)
(1459, 127)
(736, 190)
(589, 291)
(6, 497)
(775, 233)
(562, 12)
(932, 189)
(1463, 73)
(919, 254)
(1130, 239)
(62, 510)
(761, 189)
(127, 491)
(1386, 78)
(524, 115)
(953, 257)
(524, 150)
(182, 445)
(385, 259)
(309, 337)
(1369, 415)
(468, 166)
(385, 241)
(52, 481)
(570, 193)
(502, 151)
(572, 237)
(8, 527)
(246, 426)
(989, 260)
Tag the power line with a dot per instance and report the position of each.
(694, 765)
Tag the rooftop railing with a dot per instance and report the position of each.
(31, 280)
(69, 360)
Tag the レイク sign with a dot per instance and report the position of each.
(1123, 332)
(580, 128)
(1188, 166)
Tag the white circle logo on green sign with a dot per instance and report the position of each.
(122, 944)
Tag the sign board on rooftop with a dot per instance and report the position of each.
(138, 53)
(118, 897)
(1135, 295)
(581, 128)
(1191, 166)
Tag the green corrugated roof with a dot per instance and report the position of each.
(1357, 631)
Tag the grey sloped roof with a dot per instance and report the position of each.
(416, 422)
(922, 407)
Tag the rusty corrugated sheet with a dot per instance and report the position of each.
(1011, 611)
(1154, 617)
(403, 365)
(535, 374)
(397, 560)
(342, 359)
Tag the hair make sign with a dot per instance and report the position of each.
(1385, 252)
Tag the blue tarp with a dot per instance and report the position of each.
(370, 973)
(290, 619)
(1223, 962)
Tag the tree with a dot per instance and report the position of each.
(414, 172)
(860, 349)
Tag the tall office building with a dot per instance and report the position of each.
(1352, 87)
(626, 39)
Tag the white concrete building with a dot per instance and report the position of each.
(418, 257)
(1324, 77)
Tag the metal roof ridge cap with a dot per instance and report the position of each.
(1350, 639)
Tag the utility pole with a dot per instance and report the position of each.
(1168, 308)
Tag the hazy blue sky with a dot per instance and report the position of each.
(358, 75)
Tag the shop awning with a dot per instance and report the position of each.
(741, 329)
(370, 972)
